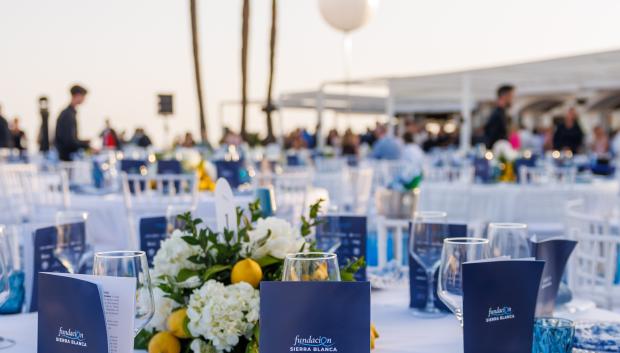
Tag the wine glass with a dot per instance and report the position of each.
(6, 269)
(71, 245)
(130, 264)
(427, 234)
(312, 266)
(509, 239)
(172, 216)
(457, 251)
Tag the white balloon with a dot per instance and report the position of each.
(347, 15)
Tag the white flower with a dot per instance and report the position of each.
(503, 148)
(200, 346)
(283, 240)
(221, 314)
(163, 308)
(173, 256)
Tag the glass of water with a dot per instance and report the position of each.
(313, 266)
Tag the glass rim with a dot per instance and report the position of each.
(508, 225)
(119, 254)
(430, 214)
(559, 322)
(306, 256)
(465, 241)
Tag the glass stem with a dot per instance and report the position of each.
(430, 297)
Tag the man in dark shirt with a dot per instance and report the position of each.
(496, 127)
(6, 140)
(67, 141)
(568, 134)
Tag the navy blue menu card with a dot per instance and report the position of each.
(232, 171)
(555, 253)
(86, 314)
(314, 317)
(152, 232)
(346, 234)
(132, 166)
(43, 254)
(499, 300)
(418, 284)
(169, 166)
(482, 170)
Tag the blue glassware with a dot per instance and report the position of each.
(14, 303)
(267, 201)
(553, 335)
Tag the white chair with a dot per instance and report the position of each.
(398, 227)
(291, 193)
(360, 181)
(78, 172)
(594, 263)
(150, 195)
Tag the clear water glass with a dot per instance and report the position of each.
(509, 239)
(553, 335)
(455, 252)
(6, 269)
(425, 244)
(313, 266)
(71, 249)
(130, 264)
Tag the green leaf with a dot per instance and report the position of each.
(268, 261)
(186, 274)
(213, 270)
(347, 273)
(190, 240)
(142, 339)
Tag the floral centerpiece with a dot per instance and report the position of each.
(207, 283)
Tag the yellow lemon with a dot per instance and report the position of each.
(164, 342)
(176, 323)
(248, 271)
(320, 274)
(374, 334)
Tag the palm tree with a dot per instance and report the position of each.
(269, 106)
(245, 29)
(203, 123)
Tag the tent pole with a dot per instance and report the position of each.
(389, 111)
(320, 141)
(466, 107)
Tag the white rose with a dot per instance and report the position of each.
(283, 239)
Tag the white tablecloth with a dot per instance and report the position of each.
(400, 331)
(541, 206)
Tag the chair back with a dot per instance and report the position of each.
(594, 263)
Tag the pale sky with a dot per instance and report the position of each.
(127, 51)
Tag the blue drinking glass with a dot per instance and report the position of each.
(553, 335)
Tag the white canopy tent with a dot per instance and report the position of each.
(580, 75)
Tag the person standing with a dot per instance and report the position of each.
(18, 135)
(496, 127)
(66, 136)
(568, 134)
(109, 138)
(6, 141)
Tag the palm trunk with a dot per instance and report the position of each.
(269, 107)
(195, 48)
(245, 29)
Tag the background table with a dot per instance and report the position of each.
(400, 331)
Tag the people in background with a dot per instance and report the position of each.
(350, 143)
(18, 135)
(412, 153)
(109, 138)
(568, 134)
(188, 140)
(513, 137)
(5, 133)
(66, 136)
(600, 143)
(387, 147)
(333, 138)
(496, 127)
(140, 138)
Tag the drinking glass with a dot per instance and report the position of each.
(427, 234)
(130, 264)
(313, 266)
(71, 246)
(172, 216)
(457, 251)
(6, 269)
(509, 239)
(553, 335)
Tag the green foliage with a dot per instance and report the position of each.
(142, 339)
(312, 221)
(347, 273)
